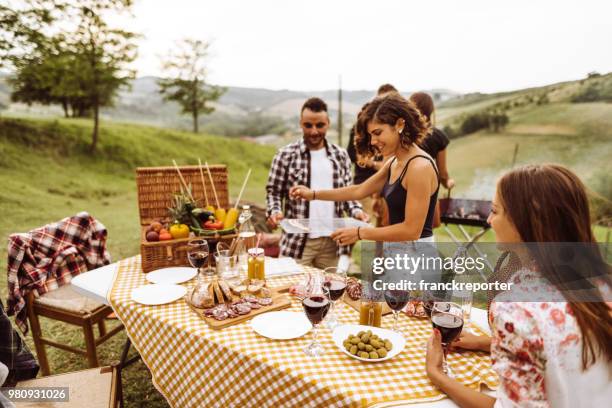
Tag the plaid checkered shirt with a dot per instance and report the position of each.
(48, 257)
(291, 166)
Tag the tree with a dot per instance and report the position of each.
(186, 82)
(101, 54)
(81, 67)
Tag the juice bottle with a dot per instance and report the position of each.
(256, 264)
(370, 313)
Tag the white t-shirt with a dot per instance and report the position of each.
(321, 178)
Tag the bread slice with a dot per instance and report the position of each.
(218, 292)
(227, 292)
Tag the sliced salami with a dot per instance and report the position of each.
(255, 305)
(222, 307)
(232, 313)
(265, 301)
(220, 314)
(209, 312)
(243, 308)
(250, 298)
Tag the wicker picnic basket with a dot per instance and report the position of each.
(156, 188)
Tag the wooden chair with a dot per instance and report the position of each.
(93, 388)
(66, 305)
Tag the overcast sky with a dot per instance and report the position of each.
(463, 45)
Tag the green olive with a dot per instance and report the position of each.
(382, 352)
(364, 354)
(373, 354)
(353, 350)
(361, 346)
(388, 345)
(369, 348)
(355, 340)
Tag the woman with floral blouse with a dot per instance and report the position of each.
(555, 351)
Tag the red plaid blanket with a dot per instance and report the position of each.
(48, 257)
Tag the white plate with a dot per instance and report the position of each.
(341, 333)
(172, 275)
(281, 325)
(157, 294)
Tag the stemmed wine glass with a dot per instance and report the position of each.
(397, 299)
(334, 280)
(197, 253)
(447, 317)
(316, 304)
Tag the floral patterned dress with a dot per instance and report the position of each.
(536, 349)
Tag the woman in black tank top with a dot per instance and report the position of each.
(391, 126)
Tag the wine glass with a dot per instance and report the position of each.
(334, 280)
(447, 317)
(316, 304)
(464, 299)
(197, 254)
(397, 299)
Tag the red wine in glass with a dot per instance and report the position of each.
(198, 259)
(336, 289)
(397, 299)
(316, 307)
(449, 325)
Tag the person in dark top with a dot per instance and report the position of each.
(391, 126)
(434, 144)
(373, 205)
(436, 141)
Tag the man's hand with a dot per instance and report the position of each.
(448, 183)
(361, 216)
(274, 219)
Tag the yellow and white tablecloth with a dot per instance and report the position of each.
(195, 366)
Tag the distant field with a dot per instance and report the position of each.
(576, 135)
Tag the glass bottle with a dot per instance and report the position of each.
(246, 236)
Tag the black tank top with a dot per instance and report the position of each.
(395, 196)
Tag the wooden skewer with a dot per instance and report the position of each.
(242, 189)
(233, 247)
(203, 184)
(182, 180)
(213, 185)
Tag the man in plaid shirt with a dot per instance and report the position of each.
(318, 164)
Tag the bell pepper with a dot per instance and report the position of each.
(214, 225)
(179, 231)
(220, 214)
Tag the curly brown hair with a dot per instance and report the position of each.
(388, 110)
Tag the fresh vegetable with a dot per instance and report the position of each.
(220, 214)
(215, 225)
(178, 230)
(210, 208)
(155, 226)
(230, 218)
(165, 236)
(152, 236)
(202, 215)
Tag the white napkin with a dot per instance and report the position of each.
(282, 266)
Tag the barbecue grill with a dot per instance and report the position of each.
(466, 212)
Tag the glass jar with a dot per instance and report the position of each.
(256, 264)
(370, 313)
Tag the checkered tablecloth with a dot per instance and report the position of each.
(195, 366)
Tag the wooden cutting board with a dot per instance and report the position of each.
(280, 300)
(355, 304)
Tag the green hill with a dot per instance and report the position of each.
(47, 173)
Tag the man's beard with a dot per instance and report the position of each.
(314, 141)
